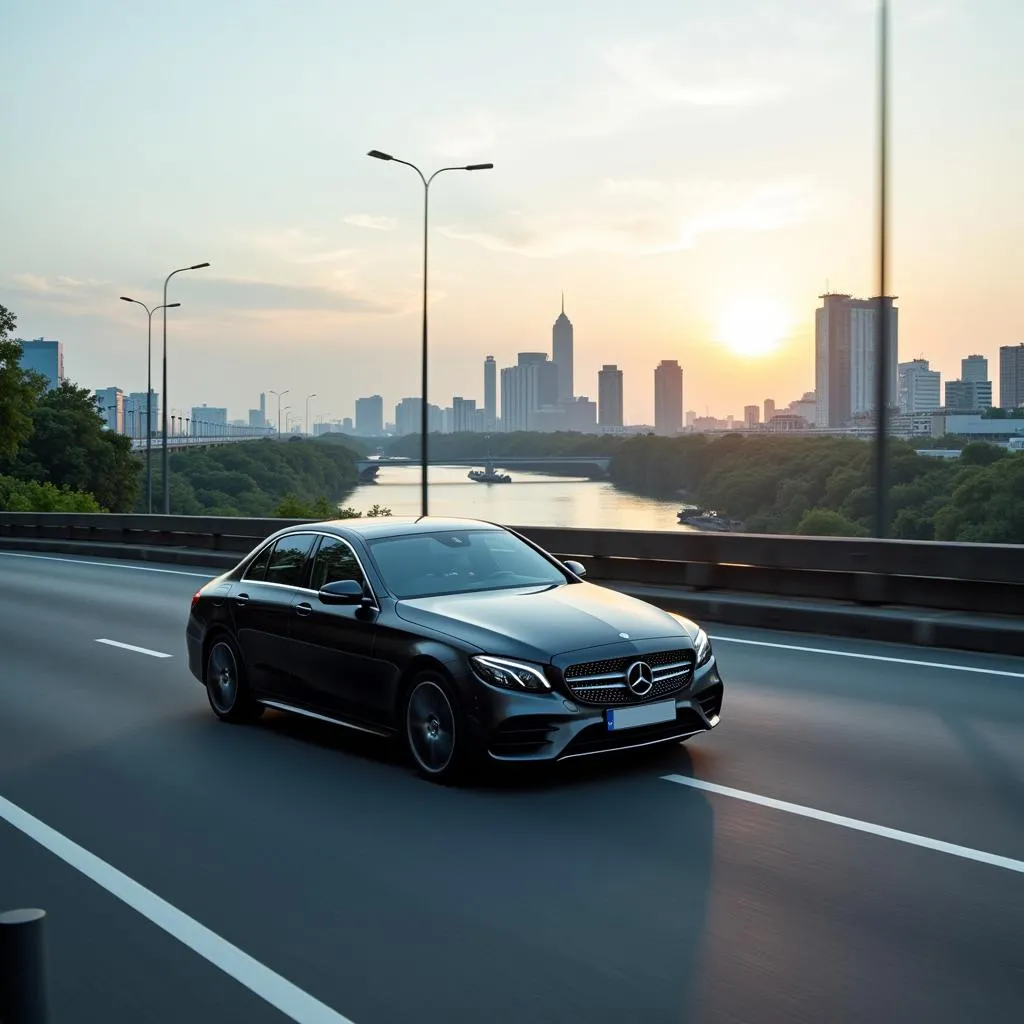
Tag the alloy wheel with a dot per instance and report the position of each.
(430, 727)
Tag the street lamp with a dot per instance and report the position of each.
(280, 395)
(308, 397)
(424, 419)
(149, 393)
(165, 462)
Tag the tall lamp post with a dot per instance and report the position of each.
(308, 397)
(149, 393)
(280, 395)
(424, 418)
(165, 461)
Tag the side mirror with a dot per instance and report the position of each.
(342, 592)
(575, 567)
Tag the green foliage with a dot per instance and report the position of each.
(31, 496)
(523, 443)
(19, 389)
(291, 507)
(298, 479)
(825, 485)
(69, 447)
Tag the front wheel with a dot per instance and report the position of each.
(435, 730)
(226, 686)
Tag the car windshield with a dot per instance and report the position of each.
(459, 562)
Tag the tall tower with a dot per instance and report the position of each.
(490, 393)
(561, 353)
(609, 396)
(668, 398)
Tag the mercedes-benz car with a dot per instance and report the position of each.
(460, 638)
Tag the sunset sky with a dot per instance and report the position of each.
(692, 173)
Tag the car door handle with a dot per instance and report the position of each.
(305, 608)
(241, 600)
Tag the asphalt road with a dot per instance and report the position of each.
(601, 893)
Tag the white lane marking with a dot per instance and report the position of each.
(977, 669)
(966, 852)
(132, 647)
(292, 1001)
(112, 565)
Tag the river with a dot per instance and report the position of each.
(532, 499)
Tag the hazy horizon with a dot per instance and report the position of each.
(691, 178)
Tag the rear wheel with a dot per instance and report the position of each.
(226, 686)
(435, 730)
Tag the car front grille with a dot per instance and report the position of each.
(710, 700)
(521, 736)
(604, 682)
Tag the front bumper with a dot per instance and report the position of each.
(553, 727)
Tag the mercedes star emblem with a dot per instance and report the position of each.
(625, 636)
(640, 678)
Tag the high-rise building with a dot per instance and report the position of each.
(490, 393)
(968, 395)
(751, 416)
(919, 388)
(370, 416)
(845, 343)
(1011, 376)
(466, 417)
(110, 405)
(407, 416)
(135, 413)
(691, 417)
(208, 421)
(609, 396)
(581, 415)
(769, 409)
(45, 357)
(562, 355)
(530, 385)
(668, 397)
(974, 368)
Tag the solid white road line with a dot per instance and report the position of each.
(292, 1001)
(132, 647)
(966, 852)
(977, 669)
(112, 565)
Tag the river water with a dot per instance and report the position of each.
(532, 499)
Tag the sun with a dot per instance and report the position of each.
(752, 327)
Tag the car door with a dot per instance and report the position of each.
(262, 609)
(333, 643)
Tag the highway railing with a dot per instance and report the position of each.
(746, 578)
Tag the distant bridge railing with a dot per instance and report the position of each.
(927, 575)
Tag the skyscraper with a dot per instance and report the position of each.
(609, 396)
(974, 368)
(370, 416)
(530, 385)
(918, 387)
(45, 357)
(968, 395)
(668, 397)
(769, 409)
(466, 417)
(845, 344)
(562, 354)
(407, 416)
(110, 405)
(751, 416)
(135, 409)
(1011, 376)
(490, 393)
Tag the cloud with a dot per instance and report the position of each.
(294, 245)
(367, 220)
(59, 288)
(645, 217)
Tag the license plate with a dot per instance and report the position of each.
(646, 714)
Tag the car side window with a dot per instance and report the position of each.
(335, 561)
(288, 559)
(257, 568)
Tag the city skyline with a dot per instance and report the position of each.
(661, 170)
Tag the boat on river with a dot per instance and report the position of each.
(489, 475)
(706, 519)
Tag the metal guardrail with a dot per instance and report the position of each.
(922, 574)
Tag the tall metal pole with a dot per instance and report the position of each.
(165, 461)
(308, 397)
(884, 316)
(424, 417)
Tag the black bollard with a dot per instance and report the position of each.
(22, 967)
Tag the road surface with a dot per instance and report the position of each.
(847, 846)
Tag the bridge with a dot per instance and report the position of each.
(197, 440)
(846, 846)
(592, 467)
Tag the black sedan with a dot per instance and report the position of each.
(460, 637)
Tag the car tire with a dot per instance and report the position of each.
(226, 685)
(435, 729)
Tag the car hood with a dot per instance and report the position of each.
(541, 624)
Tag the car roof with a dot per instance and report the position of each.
(396, 526)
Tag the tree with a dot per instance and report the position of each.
(30, 496)
(19, 389)
(70, 447)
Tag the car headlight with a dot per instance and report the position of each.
(508, 674)
(702, 645)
